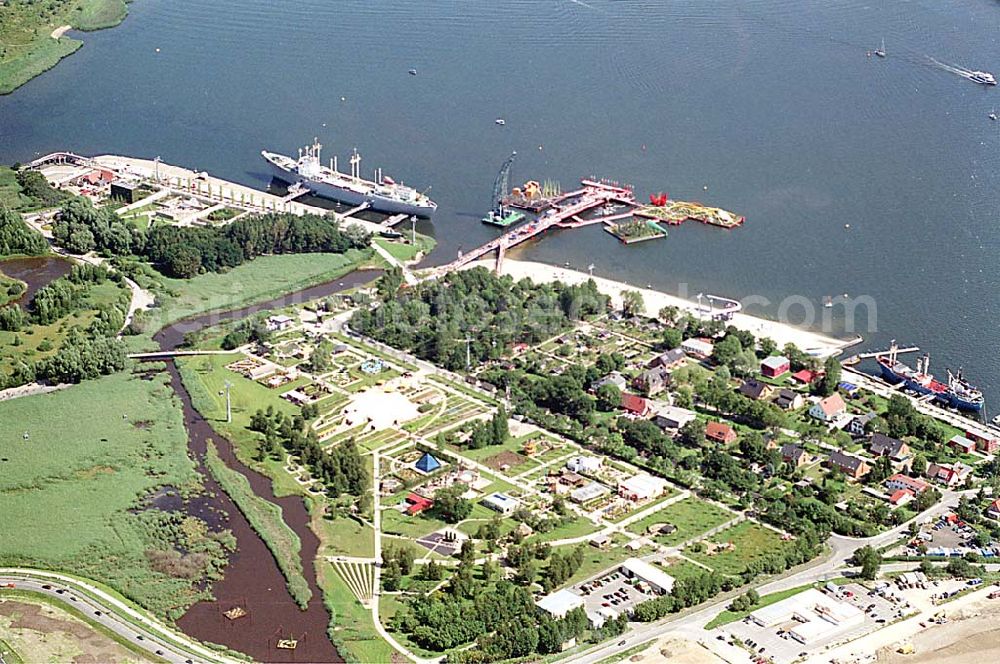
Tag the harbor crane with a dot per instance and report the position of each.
(499, 214)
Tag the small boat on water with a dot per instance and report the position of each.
(880, 51)
(500, 121)
(983, 78)
(827, 302)
(413, 72)
(993, 115)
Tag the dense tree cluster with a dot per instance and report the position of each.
(16, 237)
(82, 357)
(495, 431)
(341, 469)
(252, 329)
(34, 185)
(433, 319)
(450, 506)
(186, 251)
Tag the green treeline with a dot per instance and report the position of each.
(16, 237)
(265, 518)
(184, 252)
(433, 319)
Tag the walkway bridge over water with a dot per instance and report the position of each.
(564, 214)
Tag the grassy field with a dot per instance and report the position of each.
(407, 252)
(263, 278)
(33, 628)
(68, 490)
(750, 540)
(351, 627)
(266, 519)
(691, 517)
(25, 32)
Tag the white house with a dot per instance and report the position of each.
(584, 465)
(501, 502)
(829, 409)
(641, 487)
(699, 348)
(279, 322)
(559, 603)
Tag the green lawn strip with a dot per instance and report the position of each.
(625, 654)
(405, 252)
(668, 493)
(351, 628)
(728, 616)
(266, 519)
(578, 527)
(596, 560)
(468, 391)
(369, 350)
(691, 516)
(264, 278)
(343, 536)
(42, 598)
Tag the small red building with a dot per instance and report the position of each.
(633, 404)
(417, 504)
(775, 366)
(720, 433)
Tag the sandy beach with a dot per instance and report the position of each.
(782, 333)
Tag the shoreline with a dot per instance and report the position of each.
(814, 343)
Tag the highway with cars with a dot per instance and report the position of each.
(160, 643)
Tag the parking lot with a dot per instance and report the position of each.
(614, 593)
(776, 644)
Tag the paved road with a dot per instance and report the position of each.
(831, 565)
(109, 612)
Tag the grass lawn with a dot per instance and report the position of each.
(751, 540)
(351, 627)
(728, 616)
(596, 560)
(691, 516)
(413, 527)
(263, 278)
(67, 492)
(576, 528)
(343, 536)
(405, 252)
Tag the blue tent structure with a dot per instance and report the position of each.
(427, 463)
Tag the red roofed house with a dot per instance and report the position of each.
(829, 409)
(985, 445)
(900, 497)
(899, 481)
(417, 504)
(720, 433)
(805, 376)
(99, 176)
(993, 511)
(635, 405)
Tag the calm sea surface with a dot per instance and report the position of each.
(769, 108)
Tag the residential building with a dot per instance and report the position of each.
(794, 455)
(829, 409)
(883, 445)
(985, 444)
(949, 475)
(788, 399)
(755, 389)
(652, 381)
(720, 433)
(901, 497)
(854, 467)
(502, 503)
(569, 478)
(669, 360)
(672, 418)
(900, 481)
(856, 427)
(962, 444)
(774, 366)
(634, 405)
(698, 348)
(415, 504)
(993, 511)
(805, 376)
(613, 378)
(642, 487)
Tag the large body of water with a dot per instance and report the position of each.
(772, 106)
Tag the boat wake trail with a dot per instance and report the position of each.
(584, 4)
(982, 77)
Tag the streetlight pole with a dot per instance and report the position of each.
(413, 229)
(229, 403)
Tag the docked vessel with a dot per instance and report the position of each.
(381, 194)
(957, 392)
